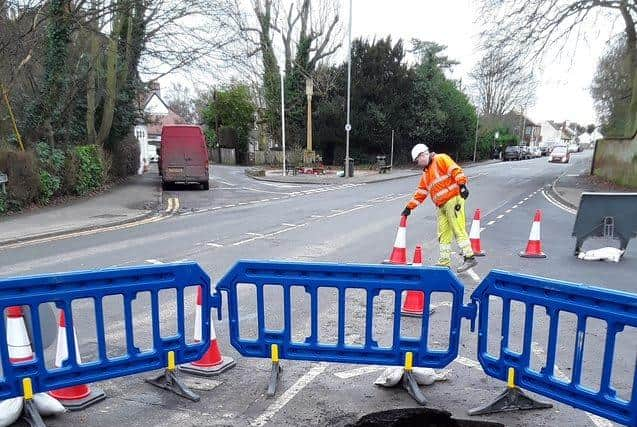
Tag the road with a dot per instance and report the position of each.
(240, 218)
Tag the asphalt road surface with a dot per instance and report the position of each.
(240, 218)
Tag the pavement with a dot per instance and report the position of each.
(241, 218)
(135, 200)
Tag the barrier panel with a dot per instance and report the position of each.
(372, 279)
(64, 288)
(617, 310)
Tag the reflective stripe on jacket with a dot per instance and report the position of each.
(441, 181)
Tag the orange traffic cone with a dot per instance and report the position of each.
(399, 252)
(79, 396)
(534, 246)
(414, 303)
(212, 363)
(474, 234)
(17, 336)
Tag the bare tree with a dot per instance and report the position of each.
(180, 100)
(529, 28)
(501, 84)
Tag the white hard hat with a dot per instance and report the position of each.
(418, 150)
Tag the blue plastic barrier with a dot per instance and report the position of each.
(128, 282)
(371, 278)
(617, 309)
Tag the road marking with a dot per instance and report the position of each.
(229, 206)
(441, 304)
(514, 207)
(255, 234)
(347, 211)
(316, 216)
(242, 203)
(496, 208)
(482, 229)
(214, 245)
(499, 217)
(558, 204)
(224, 182)
(473, 275)
(490, 223)
(468, 362)
(525, 199)
(252, 239)
(154, 261)
(275, 198)
(289, 395)
(520, 202)
(509, 210)
(264, 200)
(287, 224)
(358, 372)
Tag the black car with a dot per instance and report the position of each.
(513, 152)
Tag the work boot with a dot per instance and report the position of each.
(469, 262)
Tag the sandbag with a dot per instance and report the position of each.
(47, 405)
(10, 411)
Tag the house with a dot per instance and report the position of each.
(550, 134)
(523, 126)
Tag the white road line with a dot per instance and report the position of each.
(531, 195)
(358, 372)
(525, 199)
(287, 224)
(394, 198)
(468, 362)
(514, 207)
(521, 202)
(229, 206)
(224, 182)
(264, 200)
(214, 245)
(499, 217)
(490, 223)
(316, 216)
(508, 210)
(347, 211)
(275, 198)
(289, 395)
(241, 242)
(558, 204)
(255, 234)
(441, 304)
(482, 229)
(242, 203)
(473, 275)
(154, 261)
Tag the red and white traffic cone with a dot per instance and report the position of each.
(534, 246)
(17, 336)
(474, 234)
(79, 396)
(399, 252)
(414, 303)
(212, 363)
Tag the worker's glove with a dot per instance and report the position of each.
(406, 212)
(464, 191)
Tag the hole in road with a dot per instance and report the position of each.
(328, 315)
(355, 314)
(383, 322)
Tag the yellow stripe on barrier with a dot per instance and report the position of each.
(511, 378)
(27, 388)
(171, 360)
(409, 361)
(275, 353)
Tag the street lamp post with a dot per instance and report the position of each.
(283, 118)
(348, 126)
(475, 142)
(309, 91)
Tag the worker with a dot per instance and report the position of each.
(445, 182)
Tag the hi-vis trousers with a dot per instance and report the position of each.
(451, 222)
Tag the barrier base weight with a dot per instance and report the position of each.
(411, 385)
(31, 415)
(511, 399)
(169, 381)
(275, 375)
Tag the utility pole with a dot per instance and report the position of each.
(283, 118)
(475, 143)
(348, 126)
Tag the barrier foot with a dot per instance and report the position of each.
(511, 399)
(275, 375)
(410, 384)
(31, 415)
(169, 381)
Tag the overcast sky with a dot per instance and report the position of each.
(563, 93)
(565, 80)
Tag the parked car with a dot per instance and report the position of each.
(512, 152)
(183, 156)
(573, 148)
(525, 152)
(544, 149)
(560, 154)
(536, 152)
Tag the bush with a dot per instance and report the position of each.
(125, 157)
(3, 203)
(51, 162)
(69, 173)
(90, 168)
(24, 181)
(49, 185)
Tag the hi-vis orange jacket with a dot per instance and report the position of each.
(441, 180)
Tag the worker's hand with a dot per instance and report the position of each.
(464, 191)
(406, 212)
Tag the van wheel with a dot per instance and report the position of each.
(205, 186)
